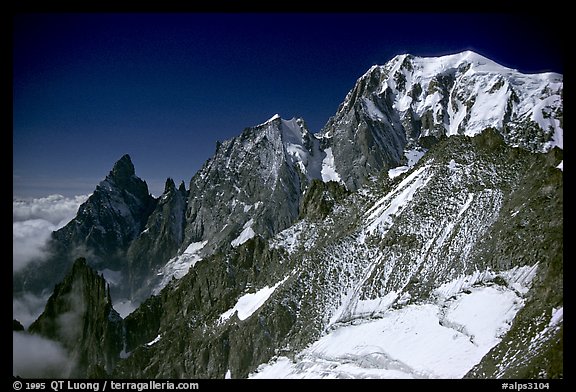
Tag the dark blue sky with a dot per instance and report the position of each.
(88, 88)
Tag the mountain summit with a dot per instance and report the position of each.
(409, 103)
(80, 315)
(418, 235)
(104, 227)
(123, 168)
(123, 172)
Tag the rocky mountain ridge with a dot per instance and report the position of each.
(434, 190)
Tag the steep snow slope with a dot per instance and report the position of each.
(441, 339)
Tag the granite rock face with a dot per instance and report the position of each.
(79, 314)
(429, 207)
(103, 229)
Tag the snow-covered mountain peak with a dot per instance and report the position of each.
(479, 64)
(416, 101)
(289, 131)
(475, 60)
(427, 67)
(293, 126)
(272, 119)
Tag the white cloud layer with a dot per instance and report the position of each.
(55, 209)
(33, 221)
(34, 356)
(28, 307)
(28, 241)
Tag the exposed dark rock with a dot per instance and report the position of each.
(262, 217)
(80, 316)
(16, 326)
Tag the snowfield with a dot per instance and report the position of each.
(413, 156)
(328, 171)
(394, 202)
(245, 235)
(251, 302)
(441, 339)
(178, 266)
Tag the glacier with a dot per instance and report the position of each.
(417, 235)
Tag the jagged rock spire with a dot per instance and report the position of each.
(79, 315)
(182, 187)
(123, 167)
(170, 186)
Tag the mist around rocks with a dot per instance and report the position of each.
(418, 235)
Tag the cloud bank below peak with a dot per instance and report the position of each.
(33, 220)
